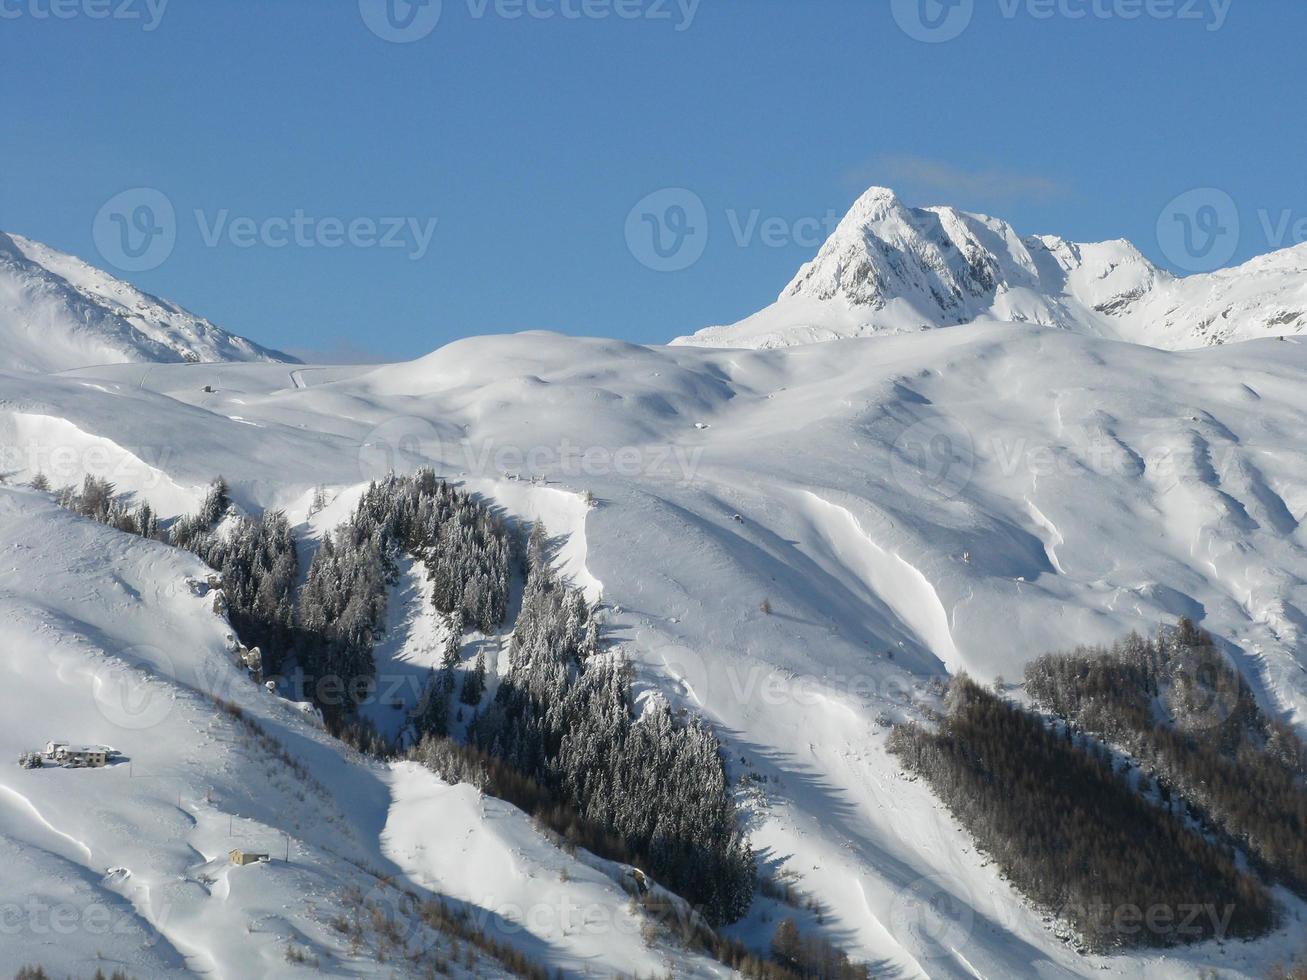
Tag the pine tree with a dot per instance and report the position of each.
(474, 682)
(432, 714)
(786, 944)
(215, 504)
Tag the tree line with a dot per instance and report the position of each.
(1192, 721)
(563, 718)
(1072, 833)
(332, 623)
(98, 500)
(259, 566)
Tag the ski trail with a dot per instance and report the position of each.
(966, 963)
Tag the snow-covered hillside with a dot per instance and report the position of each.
(58, 312)
(112, 640)
(889, 268)
(792, 543)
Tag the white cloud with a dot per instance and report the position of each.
(947, 183)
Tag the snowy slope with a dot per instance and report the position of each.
(962, 499)
(58, 312)
(888, 268)
(107, 642)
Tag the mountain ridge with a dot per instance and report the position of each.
(888, 268)
(58, 312)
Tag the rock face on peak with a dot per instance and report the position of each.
(58, 313)
(889, 268)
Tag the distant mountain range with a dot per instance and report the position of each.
(889, 268)
(58, 313)
(796, 549)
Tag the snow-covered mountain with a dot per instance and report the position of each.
(905, 508)
(57, 312)
(796, 545)
(888, 268)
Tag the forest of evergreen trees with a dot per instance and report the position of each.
(331, 626)
(562, 717)
(465, 548)
(561, 731)
(1073, 834)
(259, 567)
(812, 956)
(98, 500)
(1193, 723)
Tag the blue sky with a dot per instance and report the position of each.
(528, 140)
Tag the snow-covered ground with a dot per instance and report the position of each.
(108, 641)
(905, 507)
